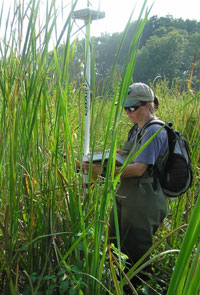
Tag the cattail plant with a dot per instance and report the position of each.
(54, 226)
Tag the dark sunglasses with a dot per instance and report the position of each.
(134, 108)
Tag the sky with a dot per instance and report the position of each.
(117, 12)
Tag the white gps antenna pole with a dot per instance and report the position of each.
(88, 16)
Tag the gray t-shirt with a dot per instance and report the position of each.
(157, 147)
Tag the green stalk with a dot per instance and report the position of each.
(49, 221)
(105, 196)
(179, 276)
(192, 285)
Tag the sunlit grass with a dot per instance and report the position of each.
(54, 228)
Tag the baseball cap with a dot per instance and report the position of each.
(138, 92)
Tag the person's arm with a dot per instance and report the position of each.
(133, 170)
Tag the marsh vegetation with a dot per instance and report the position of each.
(54, 227)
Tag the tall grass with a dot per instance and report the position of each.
(54, 227)
(184, 209)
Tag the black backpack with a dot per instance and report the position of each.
(174, 169)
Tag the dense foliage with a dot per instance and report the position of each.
(168, 48)
(54, 220)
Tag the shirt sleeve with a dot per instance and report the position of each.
(155, 148)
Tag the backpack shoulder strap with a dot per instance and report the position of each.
(157, 167)
(171, 133)
(153, 121)
(168, 126)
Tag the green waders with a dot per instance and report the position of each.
(141, 206)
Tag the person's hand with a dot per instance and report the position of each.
(118, 151)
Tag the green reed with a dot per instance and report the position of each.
(184, 209)
(31, 118)
(54, 227)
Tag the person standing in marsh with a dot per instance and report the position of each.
(141, 203)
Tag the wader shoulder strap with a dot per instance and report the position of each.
(132, 130)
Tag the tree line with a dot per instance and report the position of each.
(168, 49)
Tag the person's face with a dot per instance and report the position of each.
(136, 112)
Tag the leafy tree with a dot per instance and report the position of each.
(161, 56)
(155, 23)
(192, 59)
(105, 50)
(167, 47)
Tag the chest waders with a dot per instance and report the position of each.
(141, 206)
